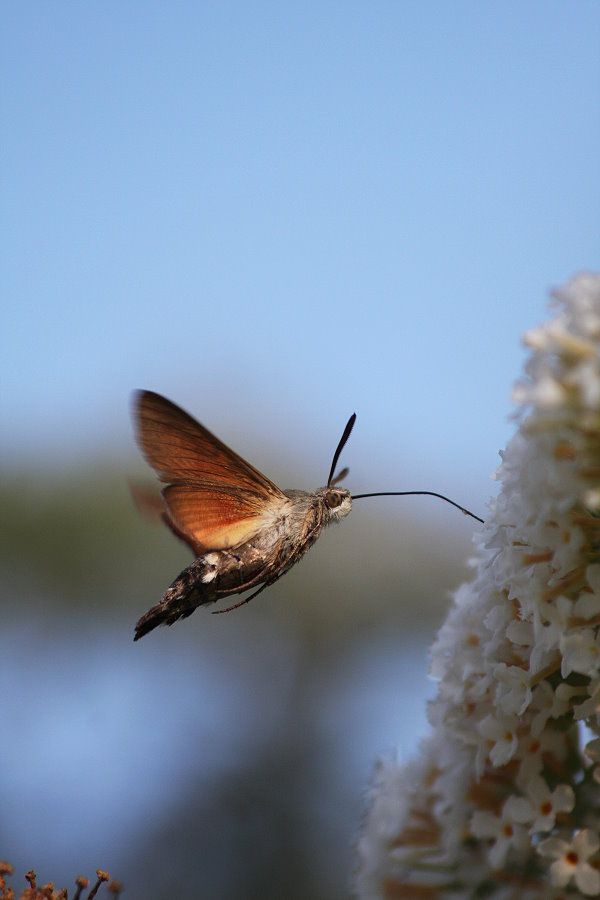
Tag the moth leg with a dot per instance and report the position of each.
(217, 612)
(284, 567)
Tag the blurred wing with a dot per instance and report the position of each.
(148, 499)
(215, 499)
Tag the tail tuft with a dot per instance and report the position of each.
(187, 592)
(158, 615)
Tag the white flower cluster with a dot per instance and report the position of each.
(504, 799)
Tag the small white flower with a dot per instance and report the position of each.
(591, 705)
(533, 751)
(592, 498)
(520, 633)
(571, 861)
(546, 392)
(571, 541)
(505, 831)
(546, 804)
(587, 606)
(513, 692)
(500, 736)
(592, 575)
(549, 704)
(550, 622)
(581, 652)
(499, 617)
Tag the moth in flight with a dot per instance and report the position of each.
(245, 532)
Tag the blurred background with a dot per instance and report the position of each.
(275, 215)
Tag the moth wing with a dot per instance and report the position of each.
(214, 498)
(179, 449)
(213, 518)
(148, 499)
(151, 503)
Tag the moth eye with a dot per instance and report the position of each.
(333, 499)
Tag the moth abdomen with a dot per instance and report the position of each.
(193, 587)
(211, 576)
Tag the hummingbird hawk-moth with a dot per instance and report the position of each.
(245, 532)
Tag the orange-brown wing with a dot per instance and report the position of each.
(182, 450)
(203, 521)
(214, 519)
(215, 499)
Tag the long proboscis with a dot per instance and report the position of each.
(467, 512)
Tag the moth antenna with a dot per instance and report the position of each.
(467, 512)
(339, 477)
(340, 447)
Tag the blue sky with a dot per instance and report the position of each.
(276, 214)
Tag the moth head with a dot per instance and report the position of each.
(337, 502)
